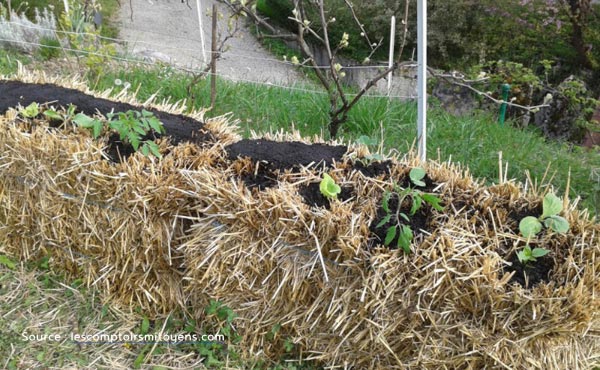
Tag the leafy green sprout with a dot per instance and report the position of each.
(404, 232)
(530, 255)
(416, 176)
(31, 111)
(530, 226)
(131, 126)
(328, 187)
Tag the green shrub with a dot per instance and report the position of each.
(50, 48)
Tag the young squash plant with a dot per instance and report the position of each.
(530, 226)
(131, 126)
(399, 231)
(328, 187)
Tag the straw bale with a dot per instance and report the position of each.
(186, 229)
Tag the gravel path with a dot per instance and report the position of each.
(168, 31)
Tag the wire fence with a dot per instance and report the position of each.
(153, 62)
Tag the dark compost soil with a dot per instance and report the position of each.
(312, 195)
(373, 169)
(286, 155)
(272, 156)
(530, 274)
(178, 127)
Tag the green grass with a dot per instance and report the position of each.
(474, 141)
(9, 61)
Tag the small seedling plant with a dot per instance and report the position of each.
(31, 111)
(530, 255)
(416, 198)
(328, 187)
(530, 226)
(131, 126)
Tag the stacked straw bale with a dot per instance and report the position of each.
(181, 231)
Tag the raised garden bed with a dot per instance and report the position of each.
(243, 223)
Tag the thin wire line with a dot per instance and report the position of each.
(125, 41)
(192, 70)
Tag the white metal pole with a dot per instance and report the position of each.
(66, 3)
(422, 78)
(199, 8)
(391, 62)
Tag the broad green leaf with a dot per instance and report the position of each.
(405, 238)
(404, 216)
(390, 235)
(154, 149)
(523, 258)
(552, 205)
(328, 187)
(139, 130)
(31, 111)
(417, 201)
(557, 223)
(84, 120)
(156, 125)
(7, 262)
(384, 221)
(366, 140)
(539, 252)
(52, 114)
(134, 140)
(145, 149)
(433, 201)
(385, 201)
(530, 226)
(97, 128)
(416, 176)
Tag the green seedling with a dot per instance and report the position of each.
(530, 255)
(131, 126)
(53, 114)
(416, 176)
(85, 121)
(31, 111)
(328, 187)
(404, 232)
(531, 226)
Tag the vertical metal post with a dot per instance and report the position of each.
(505, 91)
(199, 9)
(422, 78)
(213, 58)
(391, 62)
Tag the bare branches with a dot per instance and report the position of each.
(461, 81)
(331, 79)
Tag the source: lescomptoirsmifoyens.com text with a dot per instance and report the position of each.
(105, 338)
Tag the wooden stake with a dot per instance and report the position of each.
(213, 58)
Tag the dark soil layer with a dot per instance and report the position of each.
(262, 178)
(530, 274)
(312, 195)
(178, 127)
(286, 155)
(419, 222)
(373, 169)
